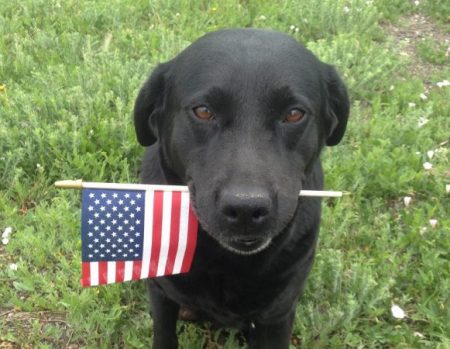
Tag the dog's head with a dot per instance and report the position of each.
(241, 117)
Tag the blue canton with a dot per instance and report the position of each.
(112, 225)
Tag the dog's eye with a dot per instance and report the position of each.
(202, 112)
(294, 115)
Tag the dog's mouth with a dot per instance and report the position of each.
(246, 246)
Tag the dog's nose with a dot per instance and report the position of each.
(247, 208)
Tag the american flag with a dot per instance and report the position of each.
(135, 234)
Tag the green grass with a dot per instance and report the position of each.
(69, 74)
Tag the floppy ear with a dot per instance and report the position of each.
(149, 103)
(338, 106)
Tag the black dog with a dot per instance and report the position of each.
(240, 117)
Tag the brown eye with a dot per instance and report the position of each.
(203, 112)
(294, 115)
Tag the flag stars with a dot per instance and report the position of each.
(115, 223)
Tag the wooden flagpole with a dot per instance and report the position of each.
(79, 184)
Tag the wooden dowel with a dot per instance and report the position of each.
(79, 184)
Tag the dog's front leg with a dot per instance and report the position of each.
(164, 313)
(271, 335)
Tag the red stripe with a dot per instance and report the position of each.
(174, 232)
(157, 227)
(102, 272)
(137, 265)
(191, 241)
(85, 274)
(120, 270)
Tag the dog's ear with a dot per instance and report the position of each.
(149, 104)
(337, 106)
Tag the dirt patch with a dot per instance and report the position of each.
(409, 32)
(21, 324)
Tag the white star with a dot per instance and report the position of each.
(97, 201)
(120, 215)
(113, 245)
(96, 228)
(131, 240)
(102, 234)
(125, 245)
(119, 240)
(138, 222)
(115, 195)
(102, 221)
(108, 228)
(108, 250)
(138, 234)
(91, 256)
(127, 195)
(136, 255)
(108, 240)
(90, 245)
(125, 234)
(120, 202)
(96, 251)
(131, 215)
(119, 228)
(126, 221)
(90, 221)
(102, 255)
(114, 208)
(131, 250)
(102, 208)
(138, 209)
(114, 221)
(96, 214)
(91, 195)
(138, 196)
(132, 228)
(109, 201)
(90, 234)
(126, 209)
(125, 254)
(108, 215)
(103, 195)
(136, 245)
(114, 234)
(96, 240)
(90, 208)
(113, 255)
(102, 246)
(132, 202)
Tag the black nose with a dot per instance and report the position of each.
(245, 207)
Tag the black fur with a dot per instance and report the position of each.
(244, 167)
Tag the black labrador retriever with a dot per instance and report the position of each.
(241, 116)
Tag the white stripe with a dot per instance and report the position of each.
(182, 240)
(148, 233)
(111, 272)
(93, 273)
(128, 272)
(165, 233)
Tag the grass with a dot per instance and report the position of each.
(69, 73)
